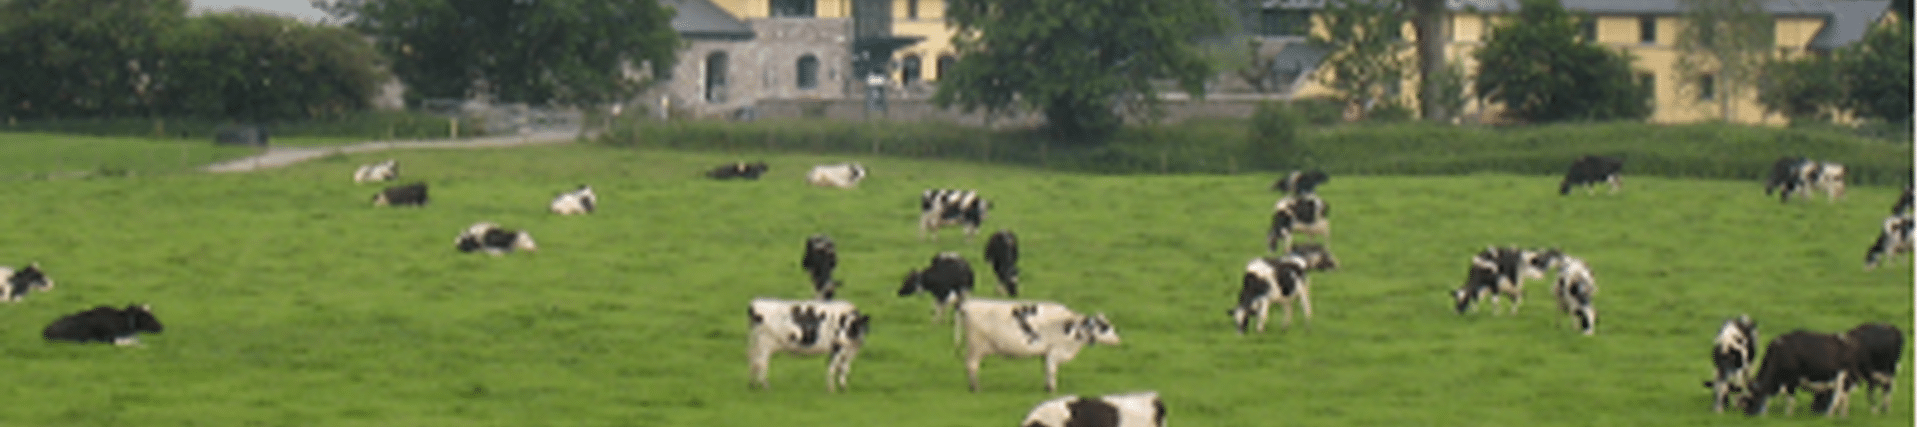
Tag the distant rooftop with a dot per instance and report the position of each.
(703, 19)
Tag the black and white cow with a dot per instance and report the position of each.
(1300, 182)
(19, 282)
(1574, 288)
(494, 240)
(1803, 176)
(1138, 409)
(1879, 347)
(1589, 170)
(104, 324)
(1003, 251)
(1822, 363)
(948, 278)
(579, 201)
(1733, 352)
(414, 194)
(1028, 329)
(1896, 238)
(384, 171)
(819, 260)
(806, 328)
(843, 175)
(944, 207)
(1302, 213)
(1496, 272)
(742, 170)
(1282, 280)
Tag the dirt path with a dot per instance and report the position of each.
(282, 156)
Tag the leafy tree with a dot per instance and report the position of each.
(1362, 38)
(539, 52)
(1078, 62)
(1878, 71)
(1536, 66)
(261, 67)
(80, 57)
(1731, 39)
(1805, 88)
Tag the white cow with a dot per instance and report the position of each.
(843, 175)
(804, 327)
(1138, 409)
(1028, 329)
(384, 171)
(578, 201)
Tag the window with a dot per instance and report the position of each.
(716, 88)
(1589, 29)
(1647, 31)
(909, 69)
(1284, 22)
(790, 8)
(941, 66)
(913, 9)
(1706, 87)
(807, 72)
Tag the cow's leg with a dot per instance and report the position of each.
(1260, 310)
(1306, 304)
(1614, 181)
(1720, 394)
(1053, 371)
(839, 365)
(973, 369)
(757, 358)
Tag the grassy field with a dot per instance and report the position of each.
(288, 300)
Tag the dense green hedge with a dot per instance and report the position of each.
(1715, 151)
(371, 125)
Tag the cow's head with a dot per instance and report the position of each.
(1094, 329)
(140, 316)
(819, 242)
(912, 283)
(856, 327)
(1462, 300)
(1242, 317)
(1317, 256)
(30, 278)
(1535, 264)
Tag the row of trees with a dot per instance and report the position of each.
(142, 58)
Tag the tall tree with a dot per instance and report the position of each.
(1730, 40)
(1538, 69)
(82, 57)
(1808, 88)
(1430, 48)
(1878, 73)
(569, 52)
(255, 67)
(1078, 62)
(1364, 46)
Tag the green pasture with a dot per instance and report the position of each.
(290, 301)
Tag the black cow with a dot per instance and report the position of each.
(414, 194)
(1896, 237)
(1495, 272)
(19, 282)
(1304, 213)
(819, 261)
(742, 170)
(1300, 182)
(947, 278)
(104, 324)
(1003, 251)
(1733, 352)
(1822, 363)
(944, 207)
(1879, 360)
(1589, 170)
(494, 240)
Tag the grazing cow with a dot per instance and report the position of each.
(1028, 329)
(948, 278)
(490, 238)
(1497, 272)
(1140, 409)
(1003, 251)
(819, 261)
(1301, 212)
(384, 171)
(1733, 351)
(1879, 356)
(1896, 238)
(1300, 182)
(1823, 363)
(414, 194)
(104, 324)
(576, 202)
(1589, 170)
(806, 328)
(740, 170)
(843, 175)
(944, 207)
(1574, 288)
(1799, 175)
(19, 282)
(1280, 280)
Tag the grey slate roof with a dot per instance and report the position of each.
(703, 19)
(1847, 20)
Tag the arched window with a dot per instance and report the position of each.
(716, 88)
(941, 67)
(910, 69)
(807, 72)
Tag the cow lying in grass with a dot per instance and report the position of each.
(384, 171)
(494, 240)
(19, 282)
(579, 201)
(1140, 409)
(119, 326)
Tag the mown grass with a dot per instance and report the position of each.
(289, 301)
